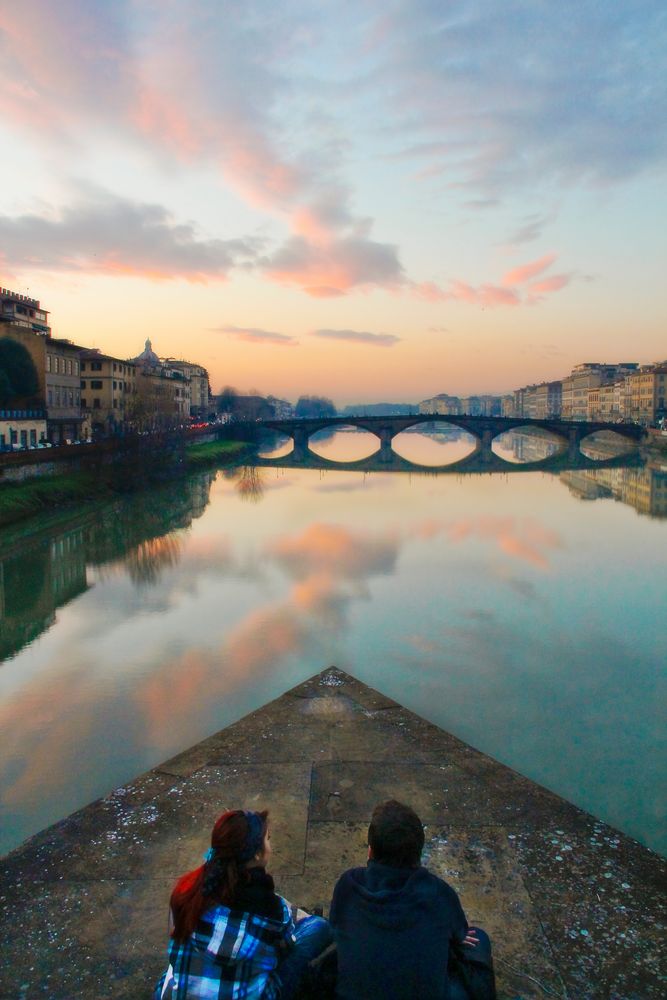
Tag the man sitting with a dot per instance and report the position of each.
(400, 931)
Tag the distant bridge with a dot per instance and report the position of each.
(568, 433)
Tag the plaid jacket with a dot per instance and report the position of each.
(230, 956)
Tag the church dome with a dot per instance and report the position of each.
(148, 358)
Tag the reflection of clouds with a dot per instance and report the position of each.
(346, 554)
(422, 644)
(132, 692)
(522, 538)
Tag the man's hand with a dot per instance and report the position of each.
(471, 938)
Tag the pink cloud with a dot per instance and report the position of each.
(524, 539)
(519, 275)
(508, 293)
(333, 267)
(460, 291)
(553, 284)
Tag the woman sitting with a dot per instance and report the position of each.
(233, 936)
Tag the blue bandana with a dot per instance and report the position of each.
(254, 841)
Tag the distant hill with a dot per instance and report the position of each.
(378, 409)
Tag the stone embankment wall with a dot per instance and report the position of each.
(16, 467)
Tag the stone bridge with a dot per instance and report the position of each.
(570, 434)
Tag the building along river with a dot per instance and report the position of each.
(524, 613)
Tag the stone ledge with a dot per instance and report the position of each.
(575, 908)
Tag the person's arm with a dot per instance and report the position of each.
(462, 934)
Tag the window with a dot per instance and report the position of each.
(83, 383)
(76, 367)
(48, 362)
(83, 402)
(83, 366)
(69, 366)
(96, 366)
(2, 441)
(96, 383)
(115, 385)
(24, 439)
(33, 438)
(96, 403)
(50, 397)
(57, 395)
(71, 397)
(77, 397)
(13, 436)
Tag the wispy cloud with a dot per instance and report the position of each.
(475, 106)
(104, 233)
(519, 275)
(515, 289)
(530, 229)
(253, 335)
(358, 336)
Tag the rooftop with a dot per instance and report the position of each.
(574, 908)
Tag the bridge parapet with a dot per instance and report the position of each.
(484, 429)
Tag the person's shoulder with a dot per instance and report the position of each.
(351, 875)
(435, 884)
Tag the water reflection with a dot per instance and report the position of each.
(530, 446)
(39, 575)
(605, 444)
(492, 604)
(436, 444)
(343, 444)
(275, 445)
(644, 489)
(36, 579)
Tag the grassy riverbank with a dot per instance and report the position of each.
(199, 456)
(43, 494)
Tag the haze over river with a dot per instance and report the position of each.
(523, 613)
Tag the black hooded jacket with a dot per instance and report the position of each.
(393, 928)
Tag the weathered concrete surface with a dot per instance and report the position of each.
(574, 908)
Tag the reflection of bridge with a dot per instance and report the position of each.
(568, 433)
(476, 461)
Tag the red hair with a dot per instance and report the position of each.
(189, 898)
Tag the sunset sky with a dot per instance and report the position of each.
(372, 201)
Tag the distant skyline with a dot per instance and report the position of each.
(365, 201)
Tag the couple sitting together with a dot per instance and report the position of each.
(399, 931)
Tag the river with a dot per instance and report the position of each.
(523, 613)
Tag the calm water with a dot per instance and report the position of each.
(524, 613)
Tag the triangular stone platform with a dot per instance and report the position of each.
(574, 908)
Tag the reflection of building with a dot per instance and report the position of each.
(531, 447)
(645, 488)
(36, 580)
(44, 575)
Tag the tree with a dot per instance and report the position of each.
(18, 375)
(227, 399)
(315, 406)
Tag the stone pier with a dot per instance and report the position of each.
(575, 909)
